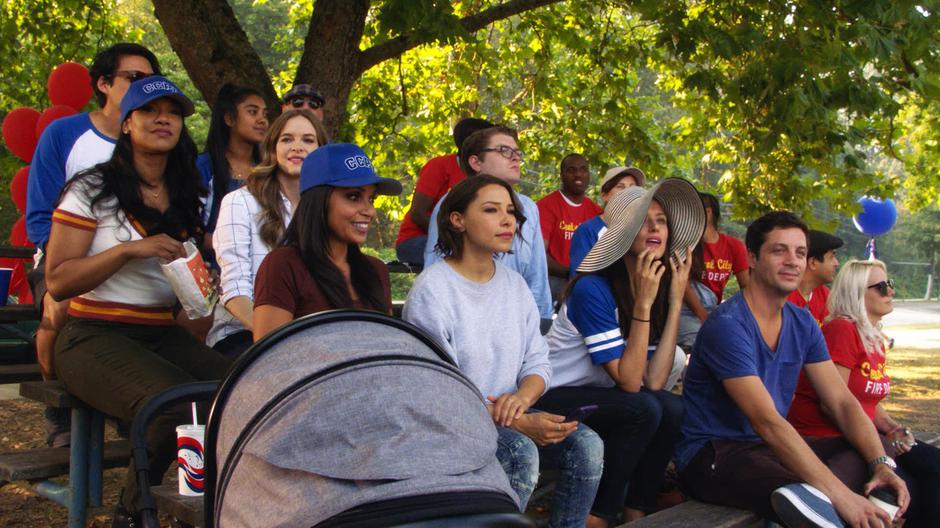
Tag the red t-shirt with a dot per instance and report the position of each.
(817, 302)
(724, 257)
(867, 380)
(284, 281)
(436, 178)
(559, 218)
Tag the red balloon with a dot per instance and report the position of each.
(18, 235)
(70, 85)
(51, 114)
(18, 189)
(19, 132)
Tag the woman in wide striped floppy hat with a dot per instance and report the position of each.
(613, 343)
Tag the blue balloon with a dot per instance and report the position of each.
(877, 216)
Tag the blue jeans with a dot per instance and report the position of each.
(412, 250)
(579, 458)
(639, 430)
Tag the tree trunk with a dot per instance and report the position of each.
(330, 61)
(215, 50)
(213, 47)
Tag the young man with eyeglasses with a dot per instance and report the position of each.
(495, 151)
(304, 96)
(738, 448)
(821, 267)
(66, 147)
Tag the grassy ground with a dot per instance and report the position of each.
(915, 376)
(915, 387)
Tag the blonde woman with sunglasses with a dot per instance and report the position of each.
(861, 296)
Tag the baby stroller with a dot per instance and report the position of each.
(352, 418)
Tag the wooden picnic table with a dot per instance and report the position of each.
(17, 252)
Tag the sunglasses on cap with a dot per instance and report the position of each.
(883, 286)
(300, 101)
(130, 75)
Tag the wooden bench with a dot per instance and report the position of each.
(689, 513)
(188, 510)
(84, 460)
(694, 513)
(19, 373)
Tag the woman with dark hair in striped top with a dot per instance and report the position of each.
(112, 228)
(613, 343)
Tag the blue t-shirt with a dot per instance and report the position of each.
(66, 147)
(584, 238)
(211, 213)
(730, 345)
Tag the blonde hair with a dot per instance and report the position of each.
(847, 299)
(262, 182)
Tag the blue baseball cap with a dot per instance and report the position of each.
(343, 165)
(150, 88)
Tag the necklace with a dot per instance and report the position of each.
(149, 189)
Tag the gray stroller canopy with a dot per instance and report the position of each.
(343, 413)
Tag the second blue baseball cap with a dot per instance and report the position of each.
(343, 165)
(151, 88)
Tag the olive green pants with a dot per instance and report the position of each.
(116, 367)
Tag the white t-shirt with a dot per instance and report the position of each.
(138, 292)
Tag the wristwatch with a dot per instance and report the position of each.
(883, 459)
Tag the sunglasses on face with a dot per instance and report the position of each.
(883, 286)
(506, 152)
(299, 102)
(130, 75)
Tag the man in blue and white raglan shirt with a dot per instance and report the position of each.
(495, 151)
(68, 146)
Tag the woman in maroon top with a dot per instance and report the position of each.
(861, 295)
(319, 265)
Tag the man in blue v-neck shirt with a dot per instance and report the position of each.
(738, 448)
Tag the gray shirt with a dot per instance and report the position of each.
(491, 330)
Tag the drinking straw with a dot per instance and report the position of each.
(195, 421)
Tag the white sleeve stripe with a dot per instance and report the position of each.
(604, 336)
(605, 346)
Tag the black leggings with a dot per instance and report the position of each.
(639, 430)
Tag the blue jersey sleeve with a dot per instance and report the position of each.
(593, 312)
(46, 179)
(584, 238)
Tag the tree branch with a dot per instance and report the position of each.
(213, 47)
(471, 24)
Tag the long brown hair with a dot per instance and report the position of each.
(262, 183)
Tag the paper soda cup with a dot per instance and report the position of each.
(190, 459)
(886, 500)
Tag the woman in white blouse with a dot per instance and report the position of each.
(252, 220)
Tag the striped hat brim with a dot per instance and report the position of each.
(627, 211)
